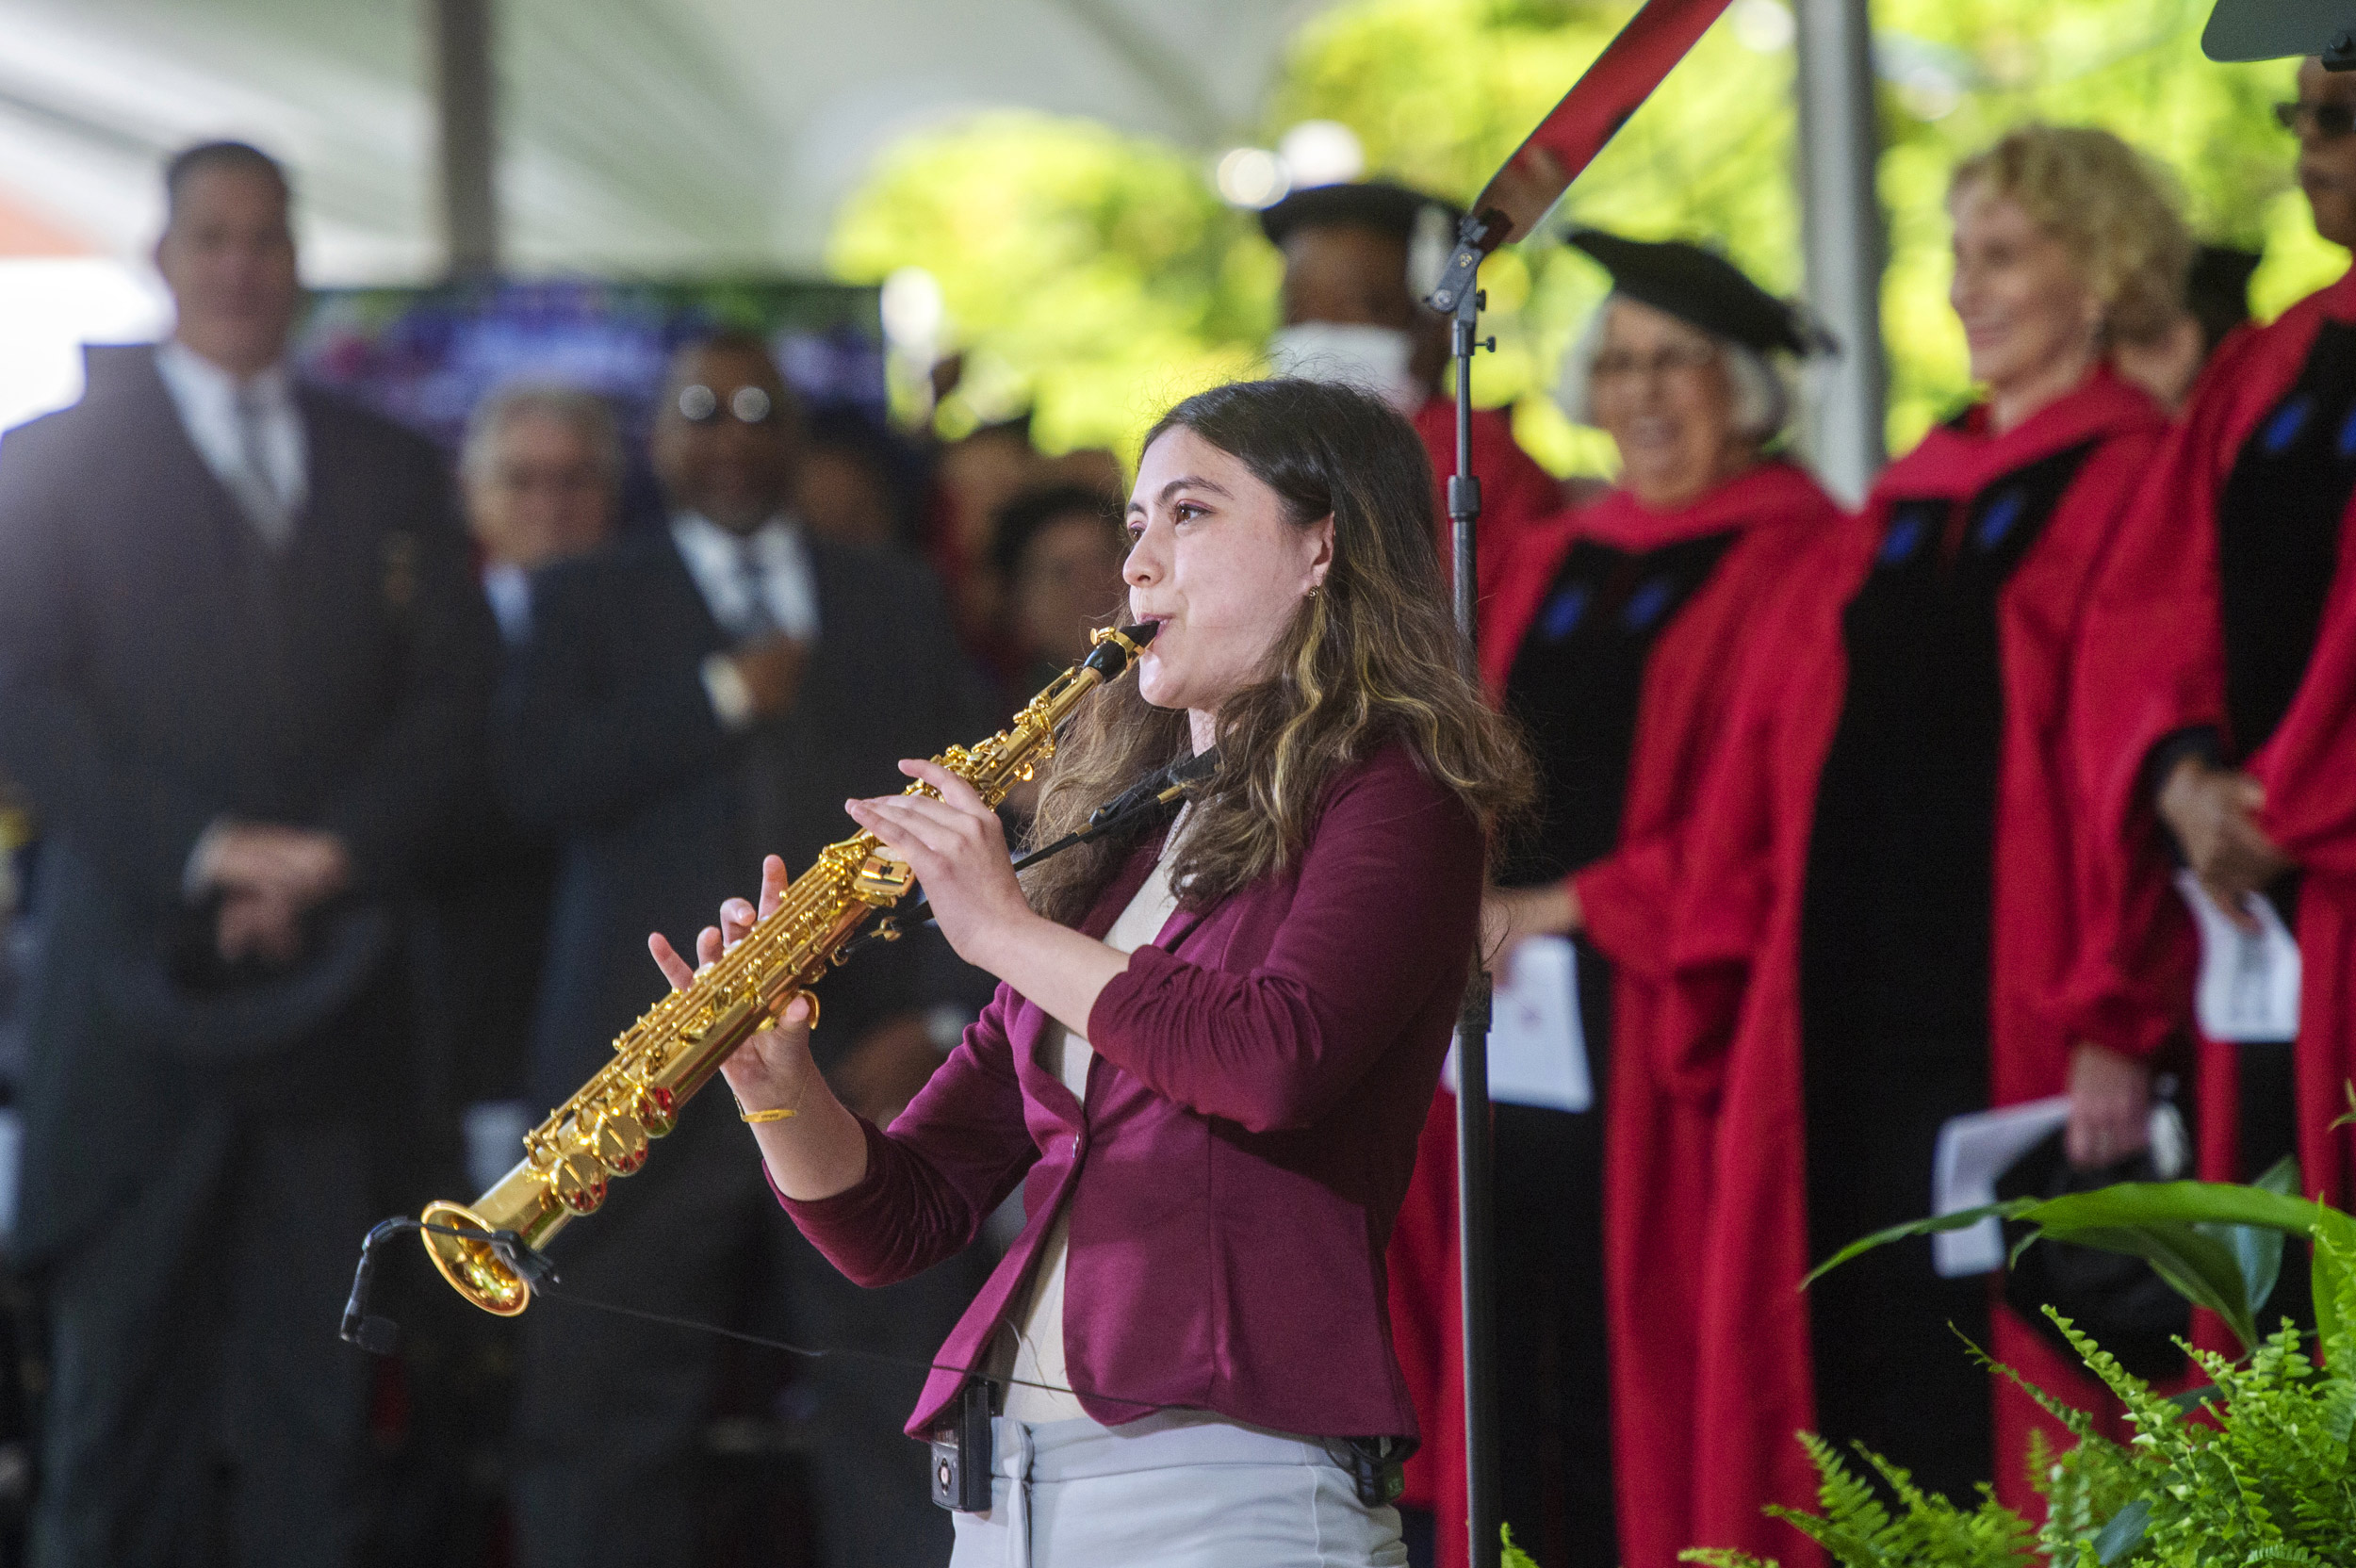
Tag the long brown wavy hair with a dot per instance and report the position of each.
(1371, 659)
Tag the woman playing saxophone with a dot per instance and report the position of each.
(1215, 1040)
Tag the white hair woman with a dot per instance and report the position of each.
(1609, 638)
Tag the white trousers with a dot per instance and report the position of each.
(1179, 1490)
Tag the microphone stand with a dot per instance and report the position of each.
(1483, 1514)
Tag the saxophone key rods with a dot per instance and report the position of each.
(606, 1129)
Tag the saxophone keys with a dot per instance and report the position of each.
(881, 879)
(656, 1108)
(578, 1182)
(619, 1142)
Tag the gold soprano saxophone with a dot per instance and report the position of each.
(660, 1061)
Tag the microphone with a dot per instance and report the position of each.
(379, 1336)
(521, 1256)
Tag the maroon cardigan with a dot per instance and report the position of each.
(1261, 1074)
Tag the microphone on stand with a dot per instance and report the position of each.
(1511, 206)
(380, 1336)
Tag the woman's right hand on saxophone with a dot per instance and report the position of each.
(816, 1149)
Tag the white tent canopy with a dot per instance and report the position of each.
(641, 135)
(694, 137)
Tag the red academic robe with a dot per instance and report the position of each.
(1737, 936)
(1515, 493)
(1659, 1129)
(2165, 659)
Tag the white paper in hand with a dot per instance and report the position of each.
(2248, 986)
(1537, 1049)
(1975, 1150)
(1972, 1151)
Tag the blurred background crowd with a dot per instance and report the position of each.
(459, 627)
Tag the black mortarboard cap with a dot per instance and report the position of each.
(1704, 288)
(1377, 204)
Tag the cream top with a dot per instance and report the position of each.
(1037, 1329)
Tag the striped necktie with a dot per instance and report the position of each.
(256, 492)
(755, 618)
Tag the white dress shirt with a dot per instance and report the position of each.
(207, 397)
(1039, 1379)
(788, 595)
(508, 587)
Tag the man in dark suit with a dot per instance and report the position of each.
(689, 702)
(242, 668)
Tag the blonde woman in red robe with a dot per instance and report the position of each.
(1885, 892)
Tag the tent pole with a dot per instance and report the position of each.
(466, 117)
(1842, 228)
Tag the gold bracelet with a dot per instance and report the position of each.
(758, 1117)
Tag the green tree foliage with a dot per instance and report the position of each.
(1097, 275)
(1090, 276)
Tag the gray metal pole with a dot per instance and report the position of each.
(466, 117)
(1845, 236)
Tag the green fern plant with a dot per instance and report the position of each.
(1861, 1530)
(2258, 1468)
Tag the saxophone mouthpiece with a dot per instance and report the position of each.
(1117, 647)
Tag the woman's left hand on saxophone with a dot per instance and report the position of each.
(819, 1148)
(958, 848)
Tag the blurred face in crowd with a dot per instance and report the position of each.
(1660, 390)
(2027, 315)
(2327, 161)
(1212, 557)
(1356, 276)
(842, 495)
(542, 494)
(727, 438)
(1068, 582)
(228, 256)
(981, 474)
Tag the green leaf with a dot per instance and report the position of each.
(2330, 1284)
(1962, 1220)
(2196, 1265)
(2257, 1254)
(2124, 1533)
(2186, 1231)
(2184, 1202)
(2258, 1249)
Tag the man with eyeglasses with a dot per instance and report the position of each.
(690, 701)
(2227, 631)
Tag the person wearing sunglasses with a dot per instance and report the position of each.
(689, 700)
(2227, 632)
